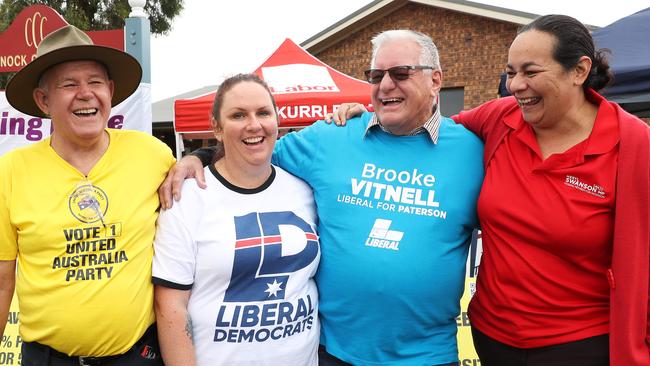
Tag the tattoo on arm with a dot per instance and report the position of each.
(188, 328)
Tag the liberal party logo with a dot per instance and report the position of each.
(262, 264)
(382, 237)
(88, 203)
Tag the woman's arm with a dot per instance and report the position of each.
(174, 326)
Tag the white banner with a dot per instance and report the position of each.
(18, 129)
(299, 78)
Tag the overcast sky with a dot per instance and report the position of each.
(213, 39)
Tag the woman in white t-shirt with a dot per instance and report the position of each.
(234, 262)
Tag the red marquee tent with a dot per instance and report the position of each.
(305, 89)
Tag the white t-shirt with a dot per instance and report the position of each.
(249, 257)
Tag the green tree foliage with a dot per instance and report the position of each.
(94, 15)
(97, 14)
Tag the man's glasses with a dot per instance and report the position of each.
(396, 73)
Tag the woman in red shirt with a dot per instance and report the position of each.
(563, 210)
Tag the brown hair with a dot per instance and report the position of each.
(224, 88)
(229, 83)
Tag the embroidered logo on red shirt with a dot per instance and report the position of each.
(592, 189)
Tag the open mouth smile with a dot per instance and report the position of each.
(391, 101)
(85, 112)
(526, 102)
(253, 140)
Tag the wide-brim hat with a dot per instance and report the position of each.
(72, 44)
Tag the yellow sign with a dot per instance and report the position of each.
(466, 351)
(11, 341)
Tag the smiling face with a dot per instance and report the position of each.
(404, 105)
(77, 97)
(247, 126)
(545, 91)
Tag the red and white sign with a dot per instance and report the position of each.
(19, 42)
(305, 90)
(298, 78)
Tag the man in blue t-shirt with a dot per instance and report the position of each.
(396, 195)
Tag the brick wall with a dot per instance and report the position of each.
(473, 49)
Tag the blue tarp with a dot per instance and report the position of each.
(629, 42)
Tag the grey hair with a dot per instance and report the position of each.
(429, 52)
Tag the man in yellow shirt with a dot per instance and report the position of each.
(78, 211)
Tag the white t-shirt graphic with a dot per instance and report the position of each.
(249, 257)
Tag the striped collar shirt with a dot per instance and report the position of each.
(431, 126)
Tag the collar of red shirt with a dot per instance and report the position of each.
(604, 135)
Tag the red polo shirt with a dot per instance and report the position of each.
(547, 234)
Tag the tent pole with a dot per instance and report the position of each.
(179, 145)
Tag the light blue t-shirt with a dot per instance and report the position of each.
(396, 214)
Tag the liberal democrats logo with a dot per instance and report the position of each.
(263, 263)
(88, 203)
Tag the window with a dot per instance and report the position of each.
(451, 101)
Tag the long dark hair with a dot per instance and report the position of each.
(573, 41)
